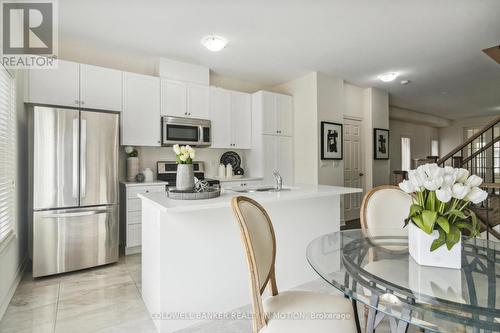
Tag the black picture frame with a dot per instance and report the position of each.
(381, 144)
(337, 138)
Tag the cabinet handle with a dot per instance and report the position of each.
(82, 102)
(147, 191)
(185, 113)
(189, 113)
(77, 101)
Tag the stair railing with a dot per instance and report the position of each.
(480, 154)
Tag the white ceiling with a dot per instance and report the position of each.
(436, 44)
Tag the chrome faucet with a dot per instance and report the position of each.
(279, 180)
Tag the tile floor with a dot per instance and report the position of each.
(100, 300)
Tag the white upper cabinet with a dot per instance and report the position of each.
(173, 98)
(284, 116)
(141, 120)
(241, 119)
(76, 85)
(277, 114)
(220, 116)
(100, 88)
(198, 101)
(59, 86)
(231, 117)
(183, 99)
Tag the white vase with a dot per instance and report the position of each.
(419, 246)
(185, 177)
(132, 168)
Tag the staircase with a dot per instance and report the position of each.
(480, 154)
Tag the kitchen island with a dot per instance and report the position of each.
(193, 262)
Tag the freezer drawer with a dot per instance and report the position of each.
(72, 239)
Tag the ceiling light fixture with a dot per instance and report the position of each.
(388, 77)
(405, 82)
(214, 43)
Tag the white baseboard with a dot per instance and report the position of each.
(19, 274)
(133, 250)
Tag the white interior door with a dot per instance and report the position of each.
(353, 169)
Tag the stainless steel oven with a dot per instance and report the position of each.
(186, 131)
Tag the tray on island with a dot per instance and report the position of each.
(208, 193)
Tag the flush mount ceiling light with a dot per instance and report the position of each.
(388, 77)
(405, 82)
(214, 43)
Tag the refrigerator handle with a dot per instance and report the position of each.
(83, 158)
(75, 158)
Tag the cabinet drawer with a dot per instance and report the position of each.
(134, 235)
(133, 205)
(134, 217)
(133, 191)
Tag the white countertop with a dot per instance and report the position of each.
(162, 200)
(153, 183)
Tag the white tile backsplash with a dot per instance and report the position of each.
(148, 157)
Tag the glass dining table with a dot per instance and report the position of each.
(374, 269)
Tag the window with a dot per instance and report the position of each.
(7, 153)
(434, 148)
(405, 154)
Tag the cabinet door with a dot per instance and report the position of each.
(141, 121)
(285, 159)
(198, 97)
(284, 115)
(270, 146)
(173, 98)
(220, 107)
(269, 114)
(241, 120)
(100, 88)
(58, 86)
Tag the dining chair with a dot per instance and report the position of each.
(384, 206)
(277, 313)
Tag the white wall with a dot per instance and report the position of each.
(330, 108)
(420, 136)
(305, 105)
(13, 256)
(452, 136)
(148, 156)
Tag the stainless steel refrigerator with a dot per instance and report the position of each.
(74, 189)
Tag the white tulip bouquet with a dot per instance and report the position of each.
(442, 197)
(184, 154)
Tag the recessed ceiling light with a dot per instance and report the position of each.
(405, 82)
(388, 77)
(214, 43)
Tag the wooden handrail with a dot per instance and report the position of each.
(490, 185)
(474, 154)
(472, 138)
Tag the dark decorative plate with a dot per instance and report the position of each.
(231, 157)
(239, 171)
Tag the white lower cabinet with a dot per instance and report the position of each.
(130, 213)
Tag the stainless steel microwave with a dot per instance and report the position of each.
(186, 131)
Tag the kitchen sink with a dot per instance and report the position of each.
(259, 189)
